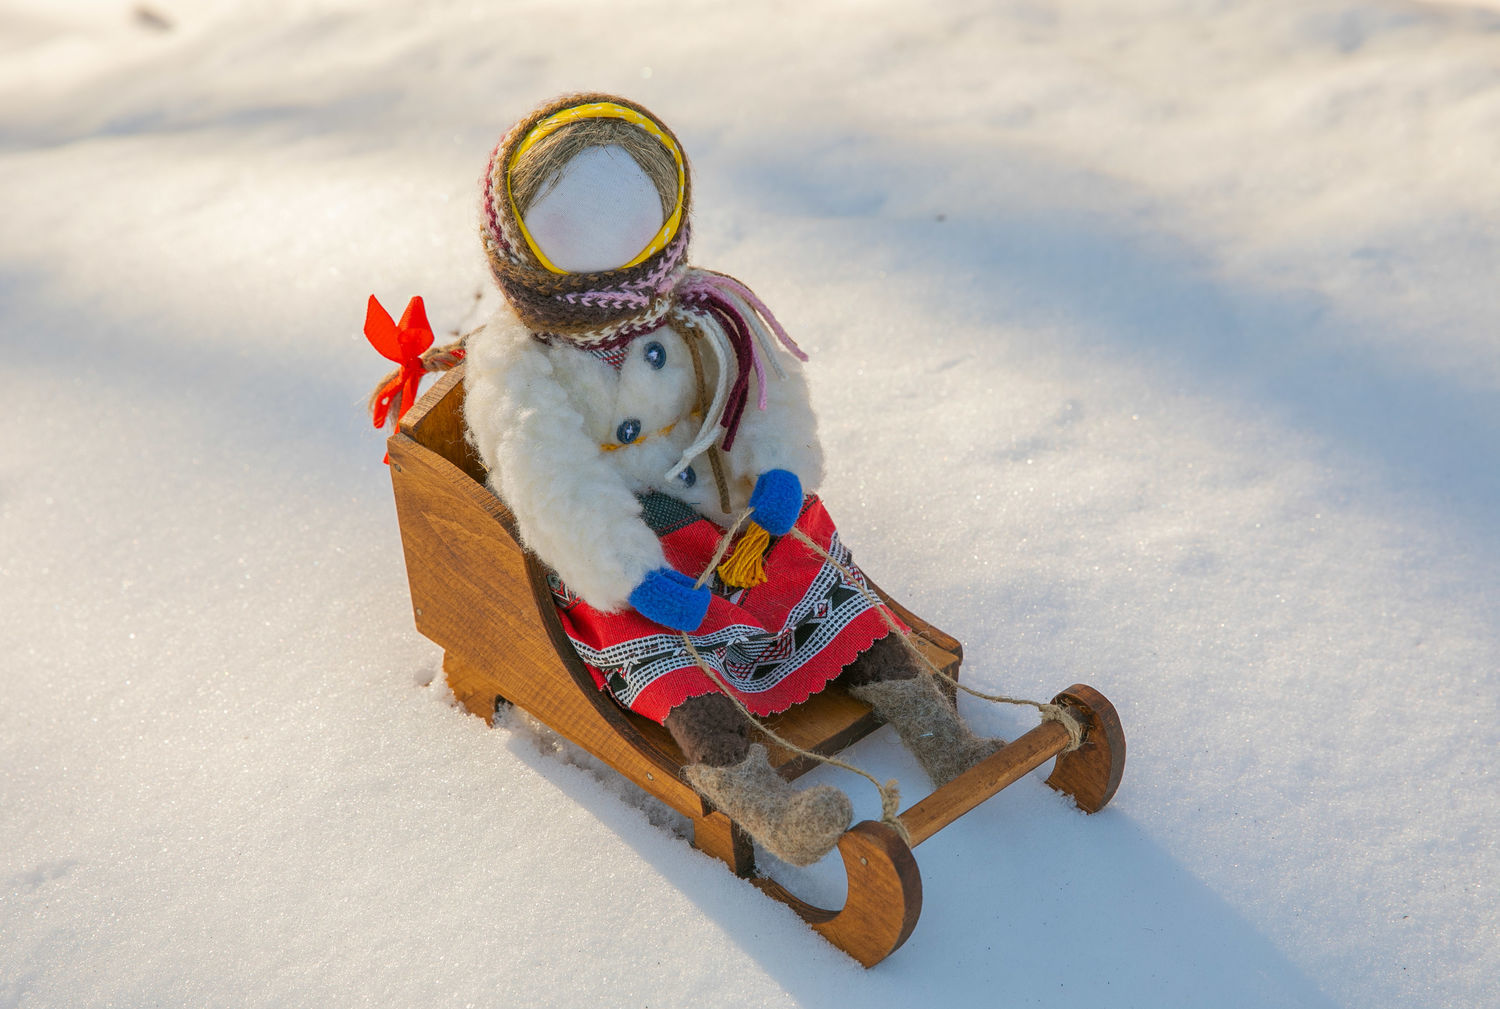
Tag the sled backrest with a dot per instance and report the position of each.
(436, 422)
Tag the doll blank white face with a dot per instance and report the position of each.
(598, 214)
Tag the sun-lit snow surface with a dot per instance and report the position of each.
(1157, 346)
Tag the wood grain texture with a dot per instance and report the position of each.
(436, 421)
(472, 595)
(827, 723)
(474, 687)
(485, 600)
(717, 835)
(1091, 774)
(1000, 769)
(884, 897)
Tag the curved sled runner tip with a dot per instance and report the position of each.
(1091, 774)
(884, 896)
(478, 593)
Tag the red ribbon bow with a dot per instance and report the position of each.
(403, 344)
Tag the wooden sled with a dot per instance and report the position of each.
(485, 601)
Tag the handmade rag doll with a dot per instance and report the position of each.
(628, 408)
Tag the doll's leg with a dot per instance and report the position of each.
(735, 775)
(889, 679)
(710, 730)
(887, 659)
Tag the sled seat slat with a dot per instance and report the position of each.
(829, 721)
(826, 723)
(477, 593)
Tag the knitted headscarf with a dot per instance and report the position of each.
(606, 309)
(596, 310)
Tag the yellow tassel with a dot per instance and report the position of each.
(745, 567)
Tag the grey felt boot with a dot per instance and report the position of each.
(928, 726)
(799, 827)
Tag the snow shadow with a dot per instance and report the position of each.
(1025, 901)
(1036, 242)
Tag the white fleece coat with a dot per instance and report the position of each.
(539, 416)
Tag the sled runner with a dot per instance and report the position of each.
(486, 602)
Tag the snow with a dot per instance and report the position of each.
(1156, 347)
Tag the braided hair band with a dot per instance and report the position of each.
(600, 110)
(605, 309)
(600, 309)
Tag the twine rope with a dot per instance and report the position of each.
(713, 564)
(693, 336)
(437, 359)
(1049, 711)
(890, 792)
(708, 329)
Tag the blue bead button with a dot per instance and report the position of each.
(688, 477)
(656, 355)
(628, 431)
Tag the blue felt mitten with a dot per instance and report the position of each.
(669, 598)
(777, 500)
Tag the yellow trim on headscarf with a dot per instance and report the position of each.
(600, 110)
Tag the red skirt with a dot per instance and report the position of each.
(775, 645)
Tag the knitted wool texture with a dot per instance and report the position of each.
(606, 309)
(596, 310)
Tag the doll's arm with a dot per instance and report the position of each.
(572, 509)
(782, 436)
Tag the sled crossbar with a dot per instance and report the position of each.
(485, 600)
(1091, 778)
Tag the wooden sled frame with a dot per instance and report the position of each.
(485, 601)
